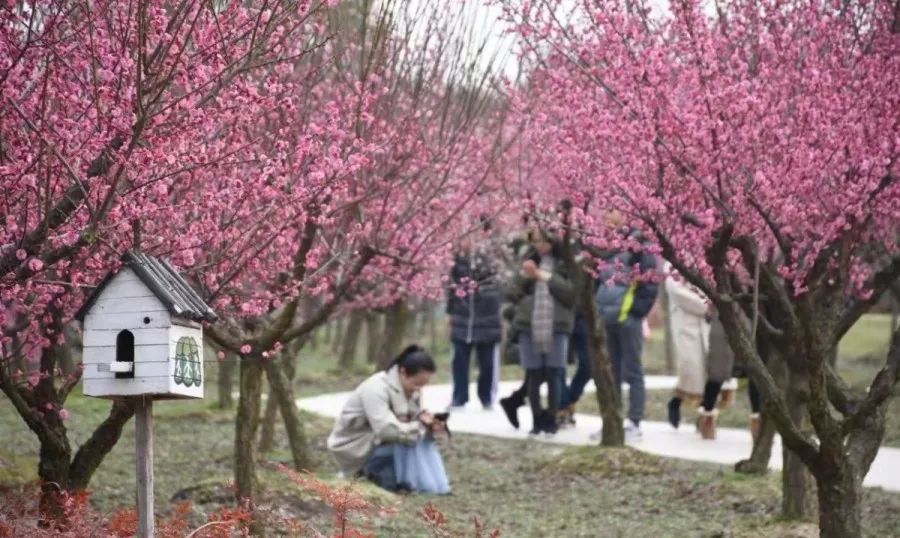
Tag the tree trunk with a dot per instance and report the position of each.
(613, 432)
(283, 393)
(267, 428)
(289, 364)
(92, 452)
(227, 366)
(758, 463)
(840, 506)
(326, 334)
(351, 340)
(798, 496)
(53, 471)
(895, 314)
(423, 312)
(431, 314)
(58, 470)
(373, 335)
(70, 352)
(338, 336)
(247, 421)
(396, 321)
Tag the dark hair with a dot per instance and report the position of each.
(413, 360)
(546, 235)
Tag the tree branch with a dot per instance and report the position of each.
(839, 392)
(365, 256)
(61, 211)
(28, 413)
(90, 454)
(785, 244)
(878, 284)
(880, 389)
(669, 254)
(801, 444)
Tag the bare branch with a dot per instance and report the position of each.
(880, 389)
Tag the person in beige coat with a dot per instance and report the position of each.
(688, 313)
(703, 358)
(384, 434)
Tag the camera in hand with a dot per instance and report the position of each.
(442, 418)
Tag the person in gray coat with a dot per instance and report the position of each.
(719, 368)
(473, 305)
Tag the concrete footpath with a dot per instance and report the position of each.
(658, 438)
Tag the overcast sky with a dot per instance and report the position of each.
(490, 29)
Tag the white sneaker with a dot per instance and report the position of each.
(632, 431)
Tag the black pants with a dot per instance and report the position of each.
(537, 377)
(711, 395)
(518, 396)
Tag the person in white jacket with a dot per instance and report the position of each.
(384, 434)
(689, 317)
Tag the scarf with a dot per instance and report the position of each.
(542, 315)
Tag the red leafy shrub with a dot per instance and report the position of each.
(21, 515)
(437, 522)
(346, 502)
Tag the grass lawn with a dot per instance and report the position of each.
(524, 488)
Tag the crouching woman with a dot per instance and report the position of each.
(384, 434)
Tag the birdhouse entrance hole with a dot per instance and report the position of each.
(125, 352)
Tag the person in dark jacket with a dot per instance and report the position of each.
(625, 295)
(572, 393)
(544, 299)
(473, 304)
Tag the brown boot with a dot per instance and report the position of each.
(707, 423)
(754, 426)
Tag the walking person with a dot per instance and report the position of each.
(624, 298)
(719, 368)
(573, 392)
(544, 298)
(473, 305)
(689, 318)
(384, 434)
(520, 246)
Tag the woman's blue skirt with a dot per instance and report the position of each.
(416, 467)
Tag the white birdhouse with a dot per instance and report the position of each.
(143, 334)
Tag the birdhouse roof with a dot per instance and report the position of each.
(164, 281)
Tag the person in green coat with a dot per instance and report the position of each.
(544, 316)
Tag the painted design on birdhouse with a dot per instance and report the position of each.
(187, 362)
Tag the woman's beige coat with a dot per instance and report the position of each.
(377, 412)
(690, 337)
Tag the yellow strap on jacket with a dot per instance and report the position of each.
(627, 302)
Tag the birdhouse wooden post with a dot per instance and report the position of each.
(143, 339)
